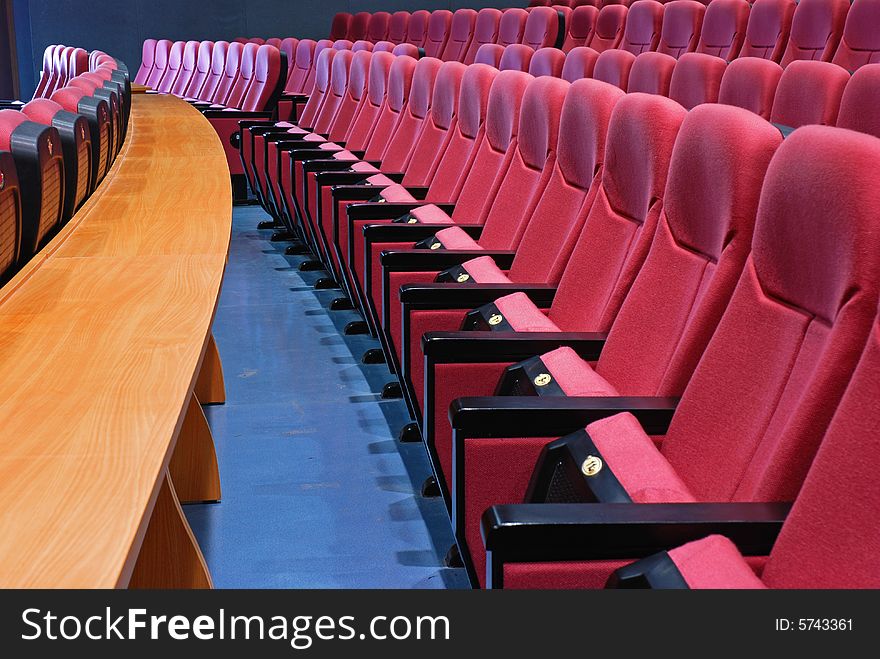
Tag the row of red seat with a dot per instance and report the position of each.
(559, 193)
(55, 149)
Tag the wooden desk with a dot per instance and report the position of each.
(102, 342)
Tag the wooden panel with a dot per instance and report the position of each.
(103, 335)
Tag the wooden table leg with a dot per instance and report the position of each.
(210, 387)
(170, 556)
(193, 468)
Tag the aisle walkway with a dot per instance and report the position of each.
(317, 492)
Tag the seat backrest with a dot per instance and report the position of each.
(579, 63)
(644, 22)
(610, 25)
(575, 4)
(540, 3)
(696, 79)
(581, 26)
(274, 41)
(417, 28)
(542, 28)
(751, 418)
(439, 128)
(438, 32)
(358, 46)
(320, 46)
(703, 238)
(337, 92)
(397, 27)
(357, 29)
(79, 62)
(147, 53)
(490, 54)
(860, 42)
(339, 26)
(816, 28)
(218, 68)
(486, 28)
(651, 73)
(46, 74)
(377, 28)
(495, 149)
(408, 49)
(613, 66)
(202, 71)
(399, 151)
(547, 62)
(473, 102)
(257, 41)
(750, 83)
(682, 22)
(461, 31)
(343, 44)
(724, 28)
(859, 107)
(623, 218)
(805, 555)
(512, 26)
(319, 92)
(175, 63)
(768, 29)
(245, 76)
(267, 71)
(160, 63)
(400, 80)
(64, 64)
(559, 215)
(288, 48)
(384, 46)
(809, 93)
(516, 57)
(531, 166)
(230, 73)
(368, 114)
(187, 68)
(301, 67)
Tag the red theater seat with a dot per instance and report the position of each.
(461, 31)
(610, 26)
(485, 32)
(377, 28)
(651, 73)
(724, 28)
(215, 74)
(750, 83)
(682, 22)
(417, 28)
(644, 22)
(579, 63)
(512, 26)
(357, 29)
(809, 93)
(358, 46)
(613, 66)
(580, 27)
(397, 27)
(160, 64)
(516, 57)
(542, 28)
(202, 70)
(175, 62)
(149, 50)
(860, 43)
(187, 69)
(816, 28)
(547, 62)
(768, 29)
(339, 26)
(696, 79)
(97, 113)
(490, 54)
(859, 107)
(438, 32)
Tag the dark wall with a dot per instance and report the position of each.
(120, 28)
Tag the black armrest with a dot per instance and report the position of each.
(280, 137)
(377, 211)
(354, 192)
(442, 295)
(294, 98)
(416, 260)
(489, 347)
(236, 114)
(338, 177)
(261, 126)
(417, 191)
(567, 532)
(323, 164)
(399, 233)
(534, 416)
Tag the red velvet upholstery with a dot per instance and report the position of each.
(383, 46)
(357, 29)
(750, 83)
(580, 27)
(859, 106)
(490, 54)
(696, 79)
(547, 62)
(860, 43)
(613, 66)
(768, 29)
(816, 29)
(147, 53)
(541, 29)
(78, 62)
(41, 110)
(321, 89)
(438, 32)
(187, 69)
(417, 28)
(809, 93)
(336, 92)
(300, 67)
(230, 73)
(160, 63)
(651, 73)
(714, 562)
(274, 41)
(245, 76)
(485, 32)
(397, 26)
(724, 28)
(579, 63)
(461, 31)
(407, 49)
(172, 71)
(512, 26)
(202, 70)
(339, 26)
(267, 70)
(361, 45)
(682, 22)
(643, 25)
(216, 72)
(516, 57)
(610, 26)
(377, 28)
(343, 44)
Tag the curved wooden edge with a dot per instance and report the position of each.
(210, 385)
(170, 556)
(193, 467)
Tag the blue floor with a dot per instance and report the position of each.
(317, 492)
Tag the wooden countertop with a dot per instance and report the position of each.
(101, 338)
